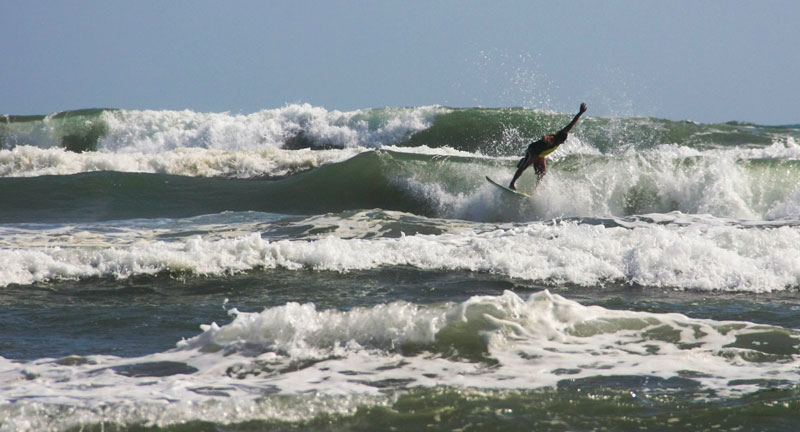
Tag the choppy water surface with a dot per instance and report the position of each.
(300, 268)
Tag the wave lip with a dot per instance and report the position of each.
(77, 130)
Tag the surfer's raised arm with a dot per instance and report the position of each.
(568, 127)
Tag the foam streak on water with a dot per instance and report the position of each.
(709, 255)
(27, 161)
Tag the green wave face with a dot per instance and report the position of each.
(576, 185)
(500, 132)
(76, 131)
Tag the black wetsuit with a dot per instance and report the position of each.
(537, 150)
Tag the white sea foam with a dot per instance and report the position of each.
(218, 144)
(159, 131)
(788, 209)
(782, 148)
(695, 256)
(248, 369)
(671, 178)
(28, 161)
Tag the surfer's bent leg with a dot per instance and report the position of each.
(522, 165)
(540, 167)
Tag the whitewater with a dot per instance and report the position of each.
(307, 268)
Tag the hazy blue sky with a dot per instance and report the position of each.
(707, 61)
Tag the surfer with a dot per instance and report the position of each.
(537, 150)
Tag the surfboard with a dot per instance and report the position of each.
(509, 190)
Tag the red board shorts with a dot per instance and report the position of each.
(532, 158)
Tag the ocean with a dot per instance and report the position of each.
(301, 268)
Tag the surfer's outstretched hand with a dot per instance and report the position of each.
(583, 107)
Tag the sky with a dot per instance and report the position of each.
(706, 61)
